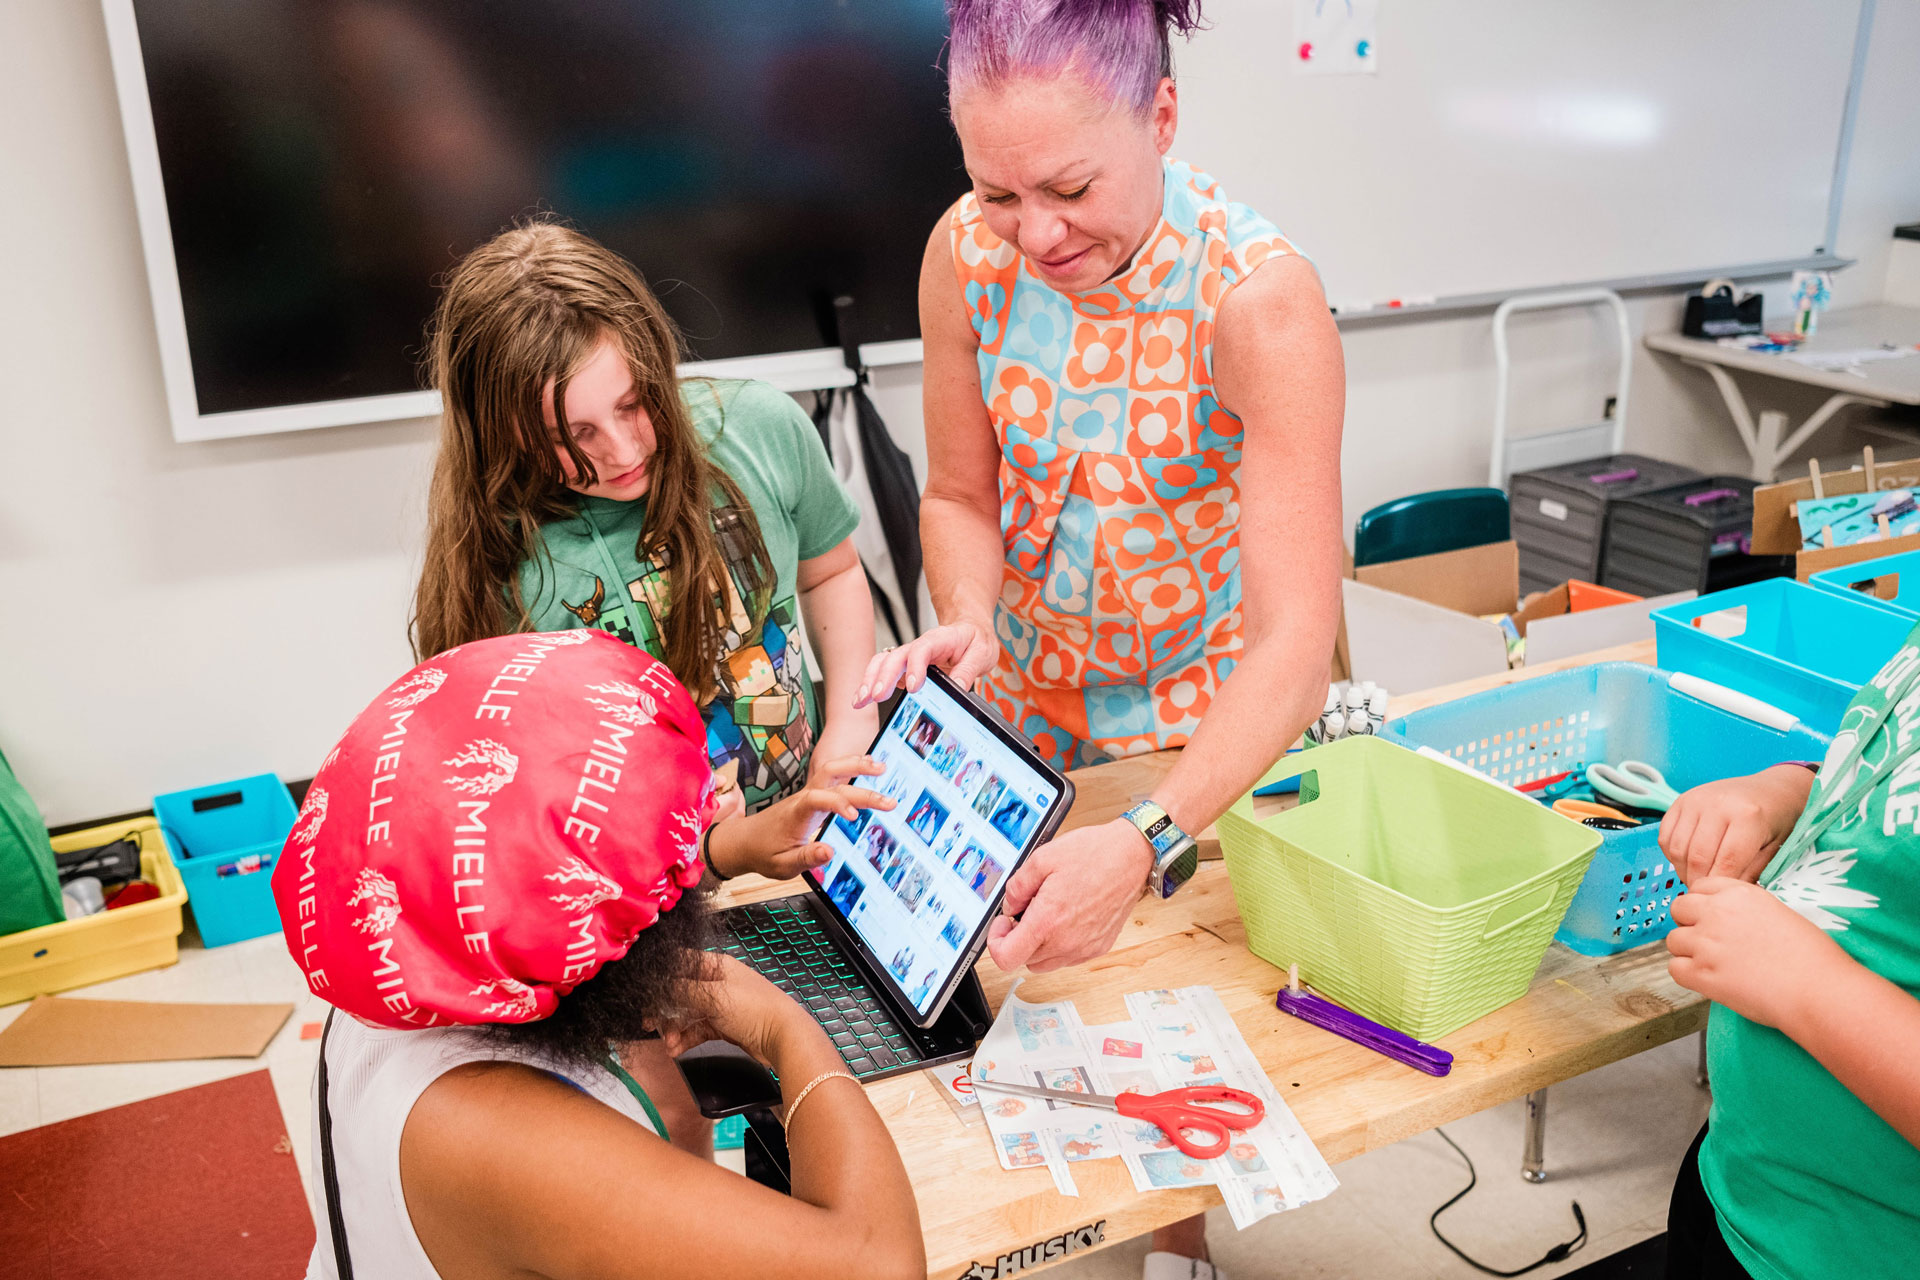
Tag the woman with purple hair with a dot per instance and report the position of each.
(1134, 392)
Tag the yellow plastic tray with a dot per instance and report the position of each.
(109, 944)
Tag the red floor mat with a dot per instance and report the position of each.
(185, 1186)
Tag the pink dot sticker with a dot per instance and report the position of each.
(1306, 50)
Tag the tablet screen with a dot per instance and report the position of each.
(918, 883)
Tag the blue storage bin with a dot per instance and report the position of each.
(1893, 581)
(1607, 713)
(1804, 650)
(228, 837)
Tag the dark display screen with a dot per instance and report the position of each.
(327, 161)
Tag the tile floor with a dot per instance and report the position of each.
(1614, 1138)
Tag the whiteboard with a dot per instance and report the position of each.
(1504, 145)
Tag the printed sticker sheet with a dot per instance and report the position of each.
(1172, 1038)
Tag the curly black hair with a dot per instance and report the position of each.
(652, 982)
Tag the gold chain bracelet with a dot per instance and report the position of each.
(813, 1084)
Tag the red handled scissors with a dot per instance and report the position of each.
(1177, 1111)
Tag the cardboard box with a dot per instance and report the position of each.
(1416, 624)
(1473, 580)
(1557, 626)
(1776, 529)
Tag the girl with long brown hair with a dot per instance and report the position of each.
(582, 483)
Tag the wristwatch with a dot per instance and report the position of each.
(1175, 855)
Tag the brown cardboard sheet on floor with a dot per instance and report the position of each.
(185, 1186)
(57, 1032)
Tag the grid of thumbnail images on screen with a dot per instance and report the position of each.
(915, 881)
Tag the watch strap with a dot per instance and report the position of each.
(1176, 856)
(1152, 822)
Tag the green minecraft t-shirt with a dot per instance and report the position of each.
(763, 717)
(1805, 1178)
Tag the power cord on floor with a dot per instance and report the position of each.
(1559, 1252)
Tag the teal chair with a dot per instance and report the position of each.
(1426, 524)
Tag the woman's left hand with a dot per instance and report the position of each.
(1071, 897)
(1738, 945)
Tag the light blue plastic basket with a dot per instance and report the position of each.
(1608, 713)
(1893, 581)
(228, 837)
(1804, 650)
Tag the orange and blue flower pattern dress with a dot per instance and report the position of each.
(1119, 611)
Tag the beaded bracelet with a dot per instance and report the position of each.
(813, 1084)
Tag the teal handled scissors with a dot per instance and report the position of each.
(1177, 1112)
(1634, 783)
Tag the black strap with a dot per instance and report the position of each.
(329, 1178)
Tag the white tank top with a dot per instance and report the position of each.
(376, 1075)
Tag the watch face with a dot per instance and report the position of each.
(1179, 871)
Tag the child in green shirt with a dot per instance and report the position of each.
(582, 483)
(1802, 924)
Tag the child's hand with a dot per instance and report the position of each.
(736, 1004)
(841, 748)
(1738, 945)
(1734, 827)
(777, 842)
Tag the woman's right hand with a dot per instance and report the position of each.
(965, 650)
(738, 1005)
(1734, 827)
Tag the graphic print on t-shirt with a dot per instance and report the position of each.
(759, 716)
(588, 610)
(1884, 772)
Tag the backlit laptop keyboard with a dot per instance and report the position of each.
(784, 941)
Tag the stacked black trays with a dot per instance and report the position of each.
(1560, 513)
(1695, 536)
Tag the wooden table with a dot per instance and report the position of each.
(1879, 383)
(1580, 1013)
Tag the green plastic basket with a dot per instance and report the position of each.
(1405, 889)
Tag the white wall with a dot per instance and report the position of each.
(180, 614)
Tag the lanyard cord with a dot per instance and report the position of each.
(611, 565)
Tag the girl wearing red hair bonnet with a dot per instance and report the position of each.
(495, 880)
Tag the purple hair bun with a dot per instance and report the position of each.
(1122, 47)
